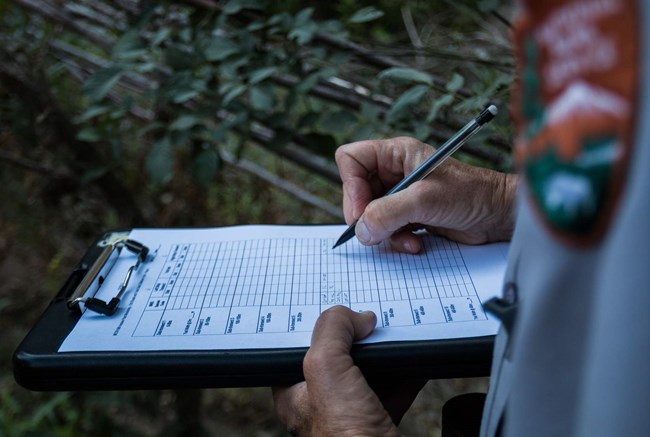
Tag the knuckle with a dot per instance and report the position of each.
(332, 316)
(372, 216)
(420, 189)
(314, 359)
(341, 151)
(404, 141)
(315, 363)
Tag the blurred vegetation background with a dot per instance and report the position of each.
(212, 113)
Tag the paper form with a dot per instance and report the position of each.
(249, 287)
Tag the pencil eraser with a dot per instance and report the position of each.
(487, 114)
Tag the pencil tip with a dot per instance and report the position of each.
(349, 233)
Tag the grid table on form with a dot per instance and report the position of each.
(282, 285)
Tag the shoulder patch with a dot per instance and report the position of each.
(575, 98)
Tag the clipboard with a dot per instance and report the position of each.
(38, 364)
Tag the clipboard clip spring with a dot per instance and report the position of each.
(100, 270)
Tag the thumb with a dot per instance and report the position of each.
(338, 327)
(387, 215)
(328, 362)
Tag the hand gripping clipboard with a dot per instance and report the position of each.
(39, 366)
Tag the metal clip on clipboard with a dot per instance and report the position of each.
(97, 275)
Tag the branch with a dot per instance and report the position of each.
(27, 164)
(52, 13)
(412, 32)
(278, 182)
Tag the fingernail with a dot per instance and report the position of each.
(362, 232)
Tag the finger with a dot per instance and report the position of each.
(387, 215)
(337, 388)
(397, 397)
(336, 329)
(292, 406)
(405, 241)
(357, 194)
(369, 168)
(356, 163)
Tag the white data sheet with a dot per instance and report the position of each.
(249, 287)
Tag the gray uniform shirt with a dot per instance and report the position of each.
(577, 360)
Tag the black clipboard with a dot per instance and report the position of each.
(38, 365)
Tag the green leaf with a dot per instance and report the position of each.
(283, 19)
(472, 104)
(90, 175)
(363, 132)
(151, 127)
(488, 5)
(304, 27)
(440, 103)
(410, 98)
(206, 166)
(370, 111)
(234, 6)
(311, 80)
(229, 68)
(185, 34)
(406, 75)
(333, 27)
(178, 58)
(101, 82)
(179, 87)
(185, 122)
(147, 67)
(160, 162)
(422, 131)
(261, 74)
(255, 26)
(184, 96)
(366, 14)
(304, 33)
(127, 43)
(219, 48)
(303, 17)
(309, 120)
(160, 36)
(89, 134)
(234, 93)
(94, 111)
(339, 121)
(262, 98)
(456, 83)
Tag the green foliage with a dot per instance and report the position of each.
(54, 417)
(364, 15)
(406, 75)
(224, 72)
(199, 81)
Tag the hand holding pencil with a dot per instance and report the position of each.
(462, 202)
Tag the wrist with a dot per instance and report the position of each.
(503, 207)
